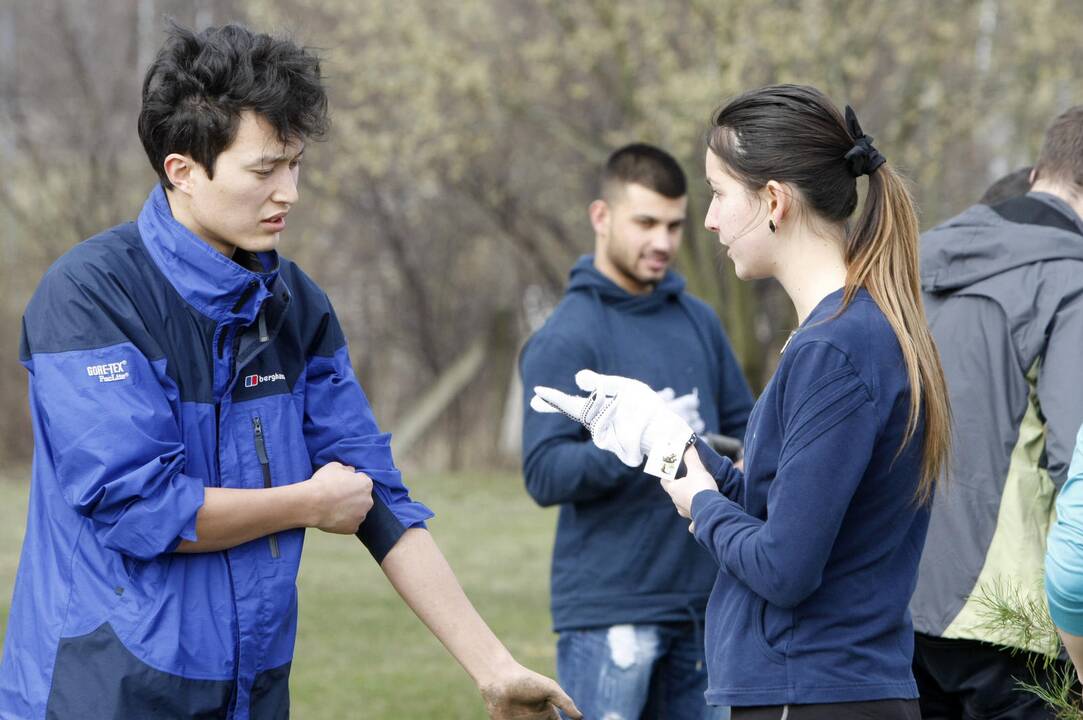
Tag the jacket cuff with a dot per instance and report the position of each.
(382, 527)
(705, 499)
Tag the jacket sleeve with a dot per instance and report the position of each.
(730, 480)
(560, 462)
(1064, 550)
(339, 426)
(829, 430)
(1060, 393)
(108, 417)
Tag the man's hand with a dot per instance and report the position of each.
(421, 575)
(522, 694)
(624, 416)
(341, 498)
(683, 489)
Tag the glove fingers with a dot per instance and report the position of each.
(553, 400)
(588, 380)
(539, 405)
(667, 394)
(609, 384)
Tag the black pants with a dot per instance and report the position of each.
(971, 680)
(870, 710)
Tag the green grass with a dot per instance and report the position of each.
(361, 653)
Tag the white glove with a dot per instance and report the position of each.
(625, 417)
(686, 406)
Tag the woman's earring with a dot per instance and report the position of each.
(771, 225)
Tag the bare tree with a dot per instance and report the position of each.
(468, 136)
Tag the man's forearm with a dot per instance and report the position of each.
(232, 516)
(572, 471)
(421, 575)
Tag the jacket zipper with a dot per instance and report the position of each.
(265, 465)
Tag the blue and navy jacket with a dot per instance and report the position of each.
(818, 542)
(621, 555)
(159, 367)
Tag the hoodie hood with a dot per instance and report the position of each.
(585, 277)
(610, 300)
(985, 241)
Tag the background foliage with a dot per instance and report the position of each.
(467, 136)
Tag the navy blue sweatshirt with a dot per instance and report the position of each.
(621, 554)
(818, 542)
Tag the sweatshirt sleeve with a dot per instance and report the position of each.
(107, 417)
(829, 426)
(1060, 393)
(339, 426)
(560, 462)
(730, 480)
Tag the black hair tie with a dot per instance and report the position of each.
(863, 158)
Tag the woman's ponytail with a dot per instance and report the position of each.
(882, 257)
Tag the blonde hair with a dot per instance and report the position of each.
(882, 257)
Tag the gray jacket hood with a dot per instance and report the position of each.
(981, 242)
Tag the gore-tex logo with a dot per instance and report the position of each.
(254, 380)
(109, 372)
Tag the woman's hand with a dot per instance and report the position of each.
(681, 490)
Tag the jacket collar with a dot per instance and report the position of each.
(213, 284)
(1039, 208)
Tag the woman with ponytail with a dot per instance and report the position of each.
(818, 540)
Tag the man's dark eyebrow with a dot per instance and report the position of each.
(640, 217)
(274, 159)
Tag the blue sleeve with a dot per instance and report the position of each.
(1064, 553)
(830, 427)
(109, 419)
(560, 462)
(730, 480)
(735, 397)
(339, 426)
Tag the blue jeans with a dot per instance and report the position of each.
(636, 672)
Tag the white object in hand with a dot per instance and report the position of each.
(686, 406)
(625, 417)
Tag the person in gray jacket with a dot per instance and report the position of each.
(1003, 287)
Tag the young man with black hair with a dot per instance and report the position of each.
(629, 583)
(194, 409)
(1003, 289)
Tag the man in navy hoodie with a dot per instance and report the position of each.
(629, 583)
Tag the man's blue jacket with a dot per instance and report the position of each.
(159, 367)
